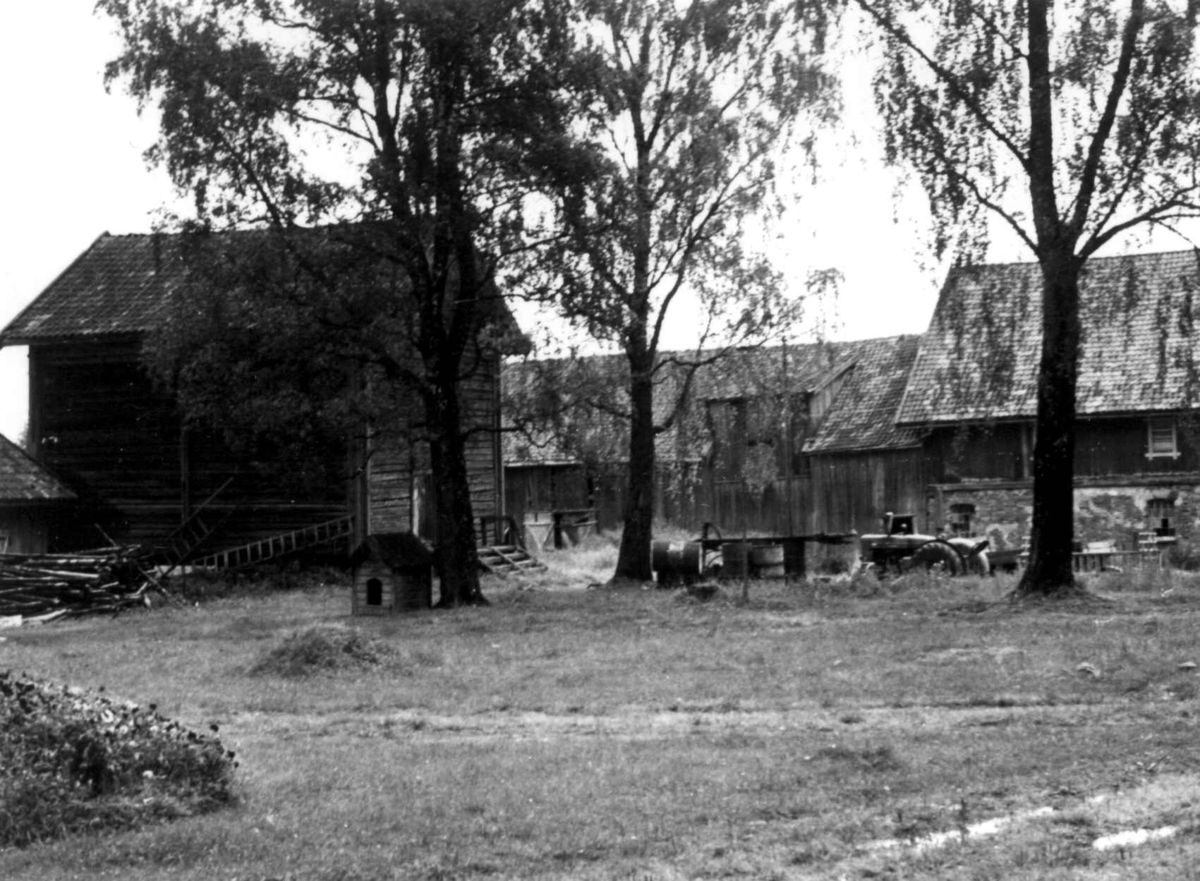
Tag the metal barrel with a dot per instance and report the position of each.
(767, 561)
(676, 561)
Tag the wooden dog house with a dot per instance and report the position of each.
(393, 573)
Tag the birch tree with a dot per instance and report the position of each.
(695, 103)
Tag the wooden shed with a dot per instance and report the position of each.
(32, 502)
(393, 573)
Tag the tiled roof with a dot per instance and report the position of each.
(863, 415)
(595, 434)
(22, 480)
(119, 285)
(749, 372)
(124, 284)
(1140, 351)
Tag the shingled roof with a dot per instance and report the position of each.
(125, 284)
(23, 481)
(119, 285)
(1140, 350)
(765, 370)
(863, 415)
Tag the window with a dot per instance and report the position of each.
(1161, 516)
(960, 517)
(1161, 440)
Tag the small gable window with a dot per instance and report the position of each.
(1161, 439)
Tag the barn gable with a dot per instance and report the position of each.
(97, 420)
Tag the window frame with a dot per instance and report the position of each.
(1161, 426)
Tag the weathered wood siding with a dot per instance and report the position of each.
(98, 422)
(854, 490)
(530, 488)
(778, 507)
(999, 452)
(26, 529)
(1103, 448)
(400, 488)
(1106, 447)
(677, 500)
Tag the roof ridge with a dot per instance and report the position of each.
(1106, 258)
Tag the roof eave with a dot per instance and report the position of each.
(64, 339)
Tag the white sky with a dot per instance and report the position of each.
(72, 168)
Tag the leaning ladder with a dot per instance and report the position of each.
(192, 532)
(278, 545)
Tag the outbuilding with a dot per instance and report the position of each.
(393, 573)
(32, 502)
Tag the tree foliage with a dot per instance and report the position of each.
(408, 132)
(1067, 124)
(693, 104)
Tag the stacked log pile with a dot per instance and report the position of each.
(79, 583)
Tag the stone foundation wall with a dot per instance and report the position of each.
(1115, 513)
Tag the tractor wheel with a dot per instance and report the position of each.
(938, 552)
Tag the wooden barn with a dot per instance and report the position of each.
(760, 409)
(830, 437)
(142, 475)
(736, 456)
(33, 502)
(861, 464)
(566, 445)
(971, 398)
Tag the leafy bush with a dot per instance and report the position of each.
(72, 761)
(322, 649)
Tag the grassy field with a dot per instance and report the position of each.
(925, 729)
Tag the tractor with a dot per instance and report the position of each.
(899, 549)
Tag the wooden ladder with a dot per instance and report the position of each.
(193, 532)
(278, 545)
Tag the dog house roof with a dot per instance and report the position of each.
(399, 550)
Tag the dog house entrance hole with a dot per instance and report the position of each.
(374, 592)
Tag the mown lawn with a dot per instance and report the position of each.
(817, 731)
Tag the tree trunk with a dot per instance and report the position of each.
(1049, 571)
(457, 560)
(633, 559)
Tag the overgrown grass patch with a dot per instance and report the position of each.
(322, 649)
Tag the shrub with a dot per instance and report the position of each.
(72, 761)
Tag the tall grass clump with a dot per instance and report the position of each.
(322, 649)
(72, 762)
